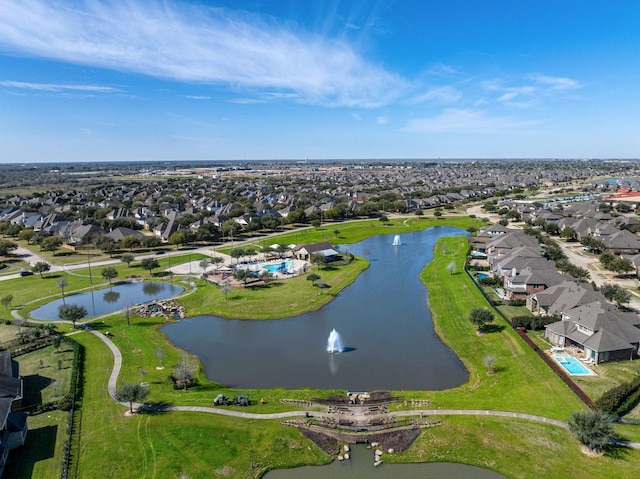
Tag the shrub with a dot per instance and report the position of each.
(613, 400)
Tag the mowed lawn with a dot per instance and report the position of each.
(522, 381)
(171, 444)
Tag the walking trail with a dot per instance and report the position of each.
(117, 365)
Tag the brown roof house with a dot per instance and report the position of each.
(305, 251)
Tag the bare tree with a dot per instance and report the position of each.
(184, 372)
(62, 283)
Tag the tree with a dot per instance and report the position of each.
(41, 267)
(481, 317)
(216, 261)
(236, 253)
(62, 283)
(71, 312)
(383, 218)
(109, 273)
(204, 264)
(160, 354)
(178, 238)
(6, 301)
(56, 341)
(52, 243)
(150, 264)
(130, 242)
(313, 278)
(318, 259)
(27, 235)
(243, 275)
(131, 392)
(184, 372)
(225, 289)
(151, 242)
(127, 258)
(569, 234)
(621, 266)
(490, 362)
(266, 276)
(451, 268)
(6, 246)
(593, 429)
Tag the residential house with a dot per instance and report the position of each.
(599, 331)
(13, 425)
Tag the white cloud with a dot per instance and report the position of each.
(52, 87)
(356, 116)
(456, 120)
(556, 83)
(382, 120)
(191, 43)
(445, 94)
(198, 97)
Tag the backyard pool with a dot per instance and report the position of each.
(482, 275)
(572, 365)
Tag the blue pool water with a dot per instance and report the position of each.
(572, 365)
(482, 275)
(278, 267)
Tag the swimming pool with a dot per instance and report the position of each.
(279, 267)
(482, 275)
(572, 365)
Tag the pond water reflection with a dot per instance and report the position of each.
(360, 466)
(109, 300)
(383, 319)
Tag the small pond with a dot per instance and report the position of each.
(109, 300)
(383, 320)
(360, 466)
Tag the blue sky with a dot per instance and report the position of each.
(134, 80)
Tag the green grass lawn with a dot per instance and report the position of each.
(201, 445)
(44, 381)
(522, 382)
(280, 299)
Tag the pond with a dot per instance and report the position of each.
(109, 300)
(383, 319)
(360, 466)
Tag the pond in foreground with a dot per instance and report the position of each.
(109, 300)
(383, 319)
(360, 466)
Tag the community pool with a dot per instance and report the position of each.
(572, 365)
(279, 267)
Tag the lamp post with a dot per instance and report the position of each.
(89, 263)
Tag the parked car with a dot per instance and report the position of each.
(26, 272)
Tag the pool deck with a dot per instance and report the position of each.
(568, 353)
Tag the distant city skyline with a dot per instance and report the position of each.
(147, 80)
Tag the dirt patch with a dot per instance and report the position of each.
(329, 441)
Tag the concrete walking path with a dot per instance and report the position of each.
(117, 366)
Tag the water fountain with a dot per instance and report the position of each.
(397, 241)
(334, 343)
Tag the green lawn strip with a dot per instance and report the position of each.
(41, 456)
(515, 448)
(355, 231)
(43, 380)
(170, 444)
(522, 382)
(281, 298)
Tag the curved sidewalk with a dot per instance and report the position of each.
(117, 366)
